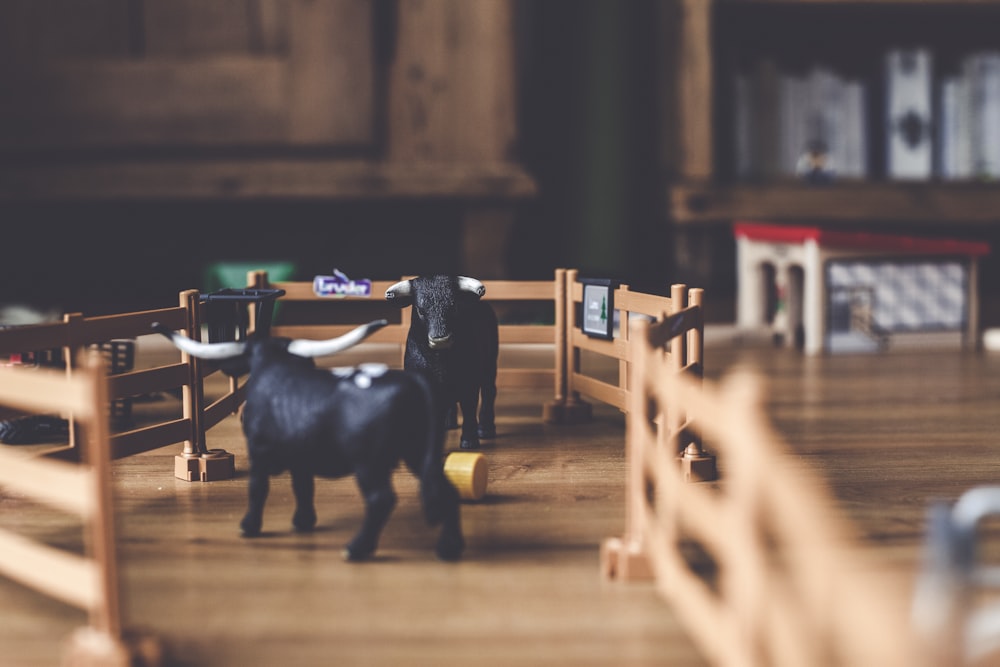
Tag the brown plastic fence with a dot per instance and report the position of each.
(759, 569)
(77, 332)
(630, 305)
(564, 334)
(565, 375)
(88, 581)
(497, 292)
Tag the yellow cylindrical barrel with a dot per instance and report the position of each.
(468, 472)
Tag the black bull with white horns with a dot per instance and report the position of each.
(311, 422)
(454, 339)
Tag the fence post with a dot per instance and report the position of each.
(104, 641)
(186, 463)
(71, 323)
(625, 363)
(696, 464)
(566, 408)
(625, 558)
(197, 462)
(107, 618)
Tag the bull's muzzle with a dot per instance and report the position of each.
(442, 343)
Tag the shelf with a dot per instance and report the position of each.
(888, 203)
(274, 178)
(859, 2)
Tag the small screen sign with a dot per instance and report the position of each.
(598, 308)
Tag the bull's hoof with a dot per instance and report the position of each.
(354, 555)
(487, 431)
(250, 528)
(304, 522)
(469, 443)
(450, 548)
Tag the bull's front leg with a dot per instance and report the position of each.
(487, 415)
(303, 486)
(257, 491)
(380, 499)
(470, 426)
(451, 417)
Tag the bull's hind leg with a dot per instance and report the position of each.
(450, 543)
(380, 499)
(441, 504)
(303, 486)
(257, 490)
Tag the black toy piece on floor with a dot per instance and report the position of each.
(33, 429)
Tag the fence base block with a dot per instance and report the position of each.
(567, 412)
(624, 561)
(698, 468)
(88, 647)
(214, 465)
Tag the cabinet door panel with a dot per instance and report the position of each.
(266, 73)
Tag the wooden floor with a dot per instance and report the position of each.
(890, 433)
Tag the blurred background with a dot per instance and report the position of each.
(151, 146)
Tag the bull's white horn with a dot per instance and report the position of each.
(318, 348)
(213, 351)
(471, 285)
(400, 289)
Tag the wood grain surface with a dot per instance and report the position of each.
(889, 433)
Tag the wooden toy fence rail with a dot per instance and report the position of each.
(759, 568)
(690, 352)
(76, 332)
(197, 461)
(566, 374)
(89, 581)
(496, 291)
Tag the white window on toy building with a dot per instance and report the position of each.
(874, 303)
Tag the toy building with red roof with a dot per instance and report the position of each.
(846, 291)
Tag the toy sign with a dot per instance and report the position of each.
(598, 308)
(339, 286)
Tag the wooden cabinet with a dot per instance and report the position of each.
(109, 74)
(324, 102)
(258, 98)
(702, 188)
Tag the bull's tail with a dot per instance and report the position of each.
(438, 494)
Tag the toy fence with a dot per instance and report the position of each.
(630, 305)
(497, 291)
(77, 332)
(88, 581)
(197, 461)
(566, 374)
(758, 568)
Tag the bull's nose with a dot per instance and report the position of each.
(439, 343)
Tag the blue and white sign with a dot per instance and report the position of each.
(339, 286)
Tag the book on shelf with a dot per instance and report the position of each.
(814, 123)
(795, 124)
(908, 84)
(969, 119)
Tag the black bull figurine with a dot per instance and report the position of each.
(454, 339)
(312, 422)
